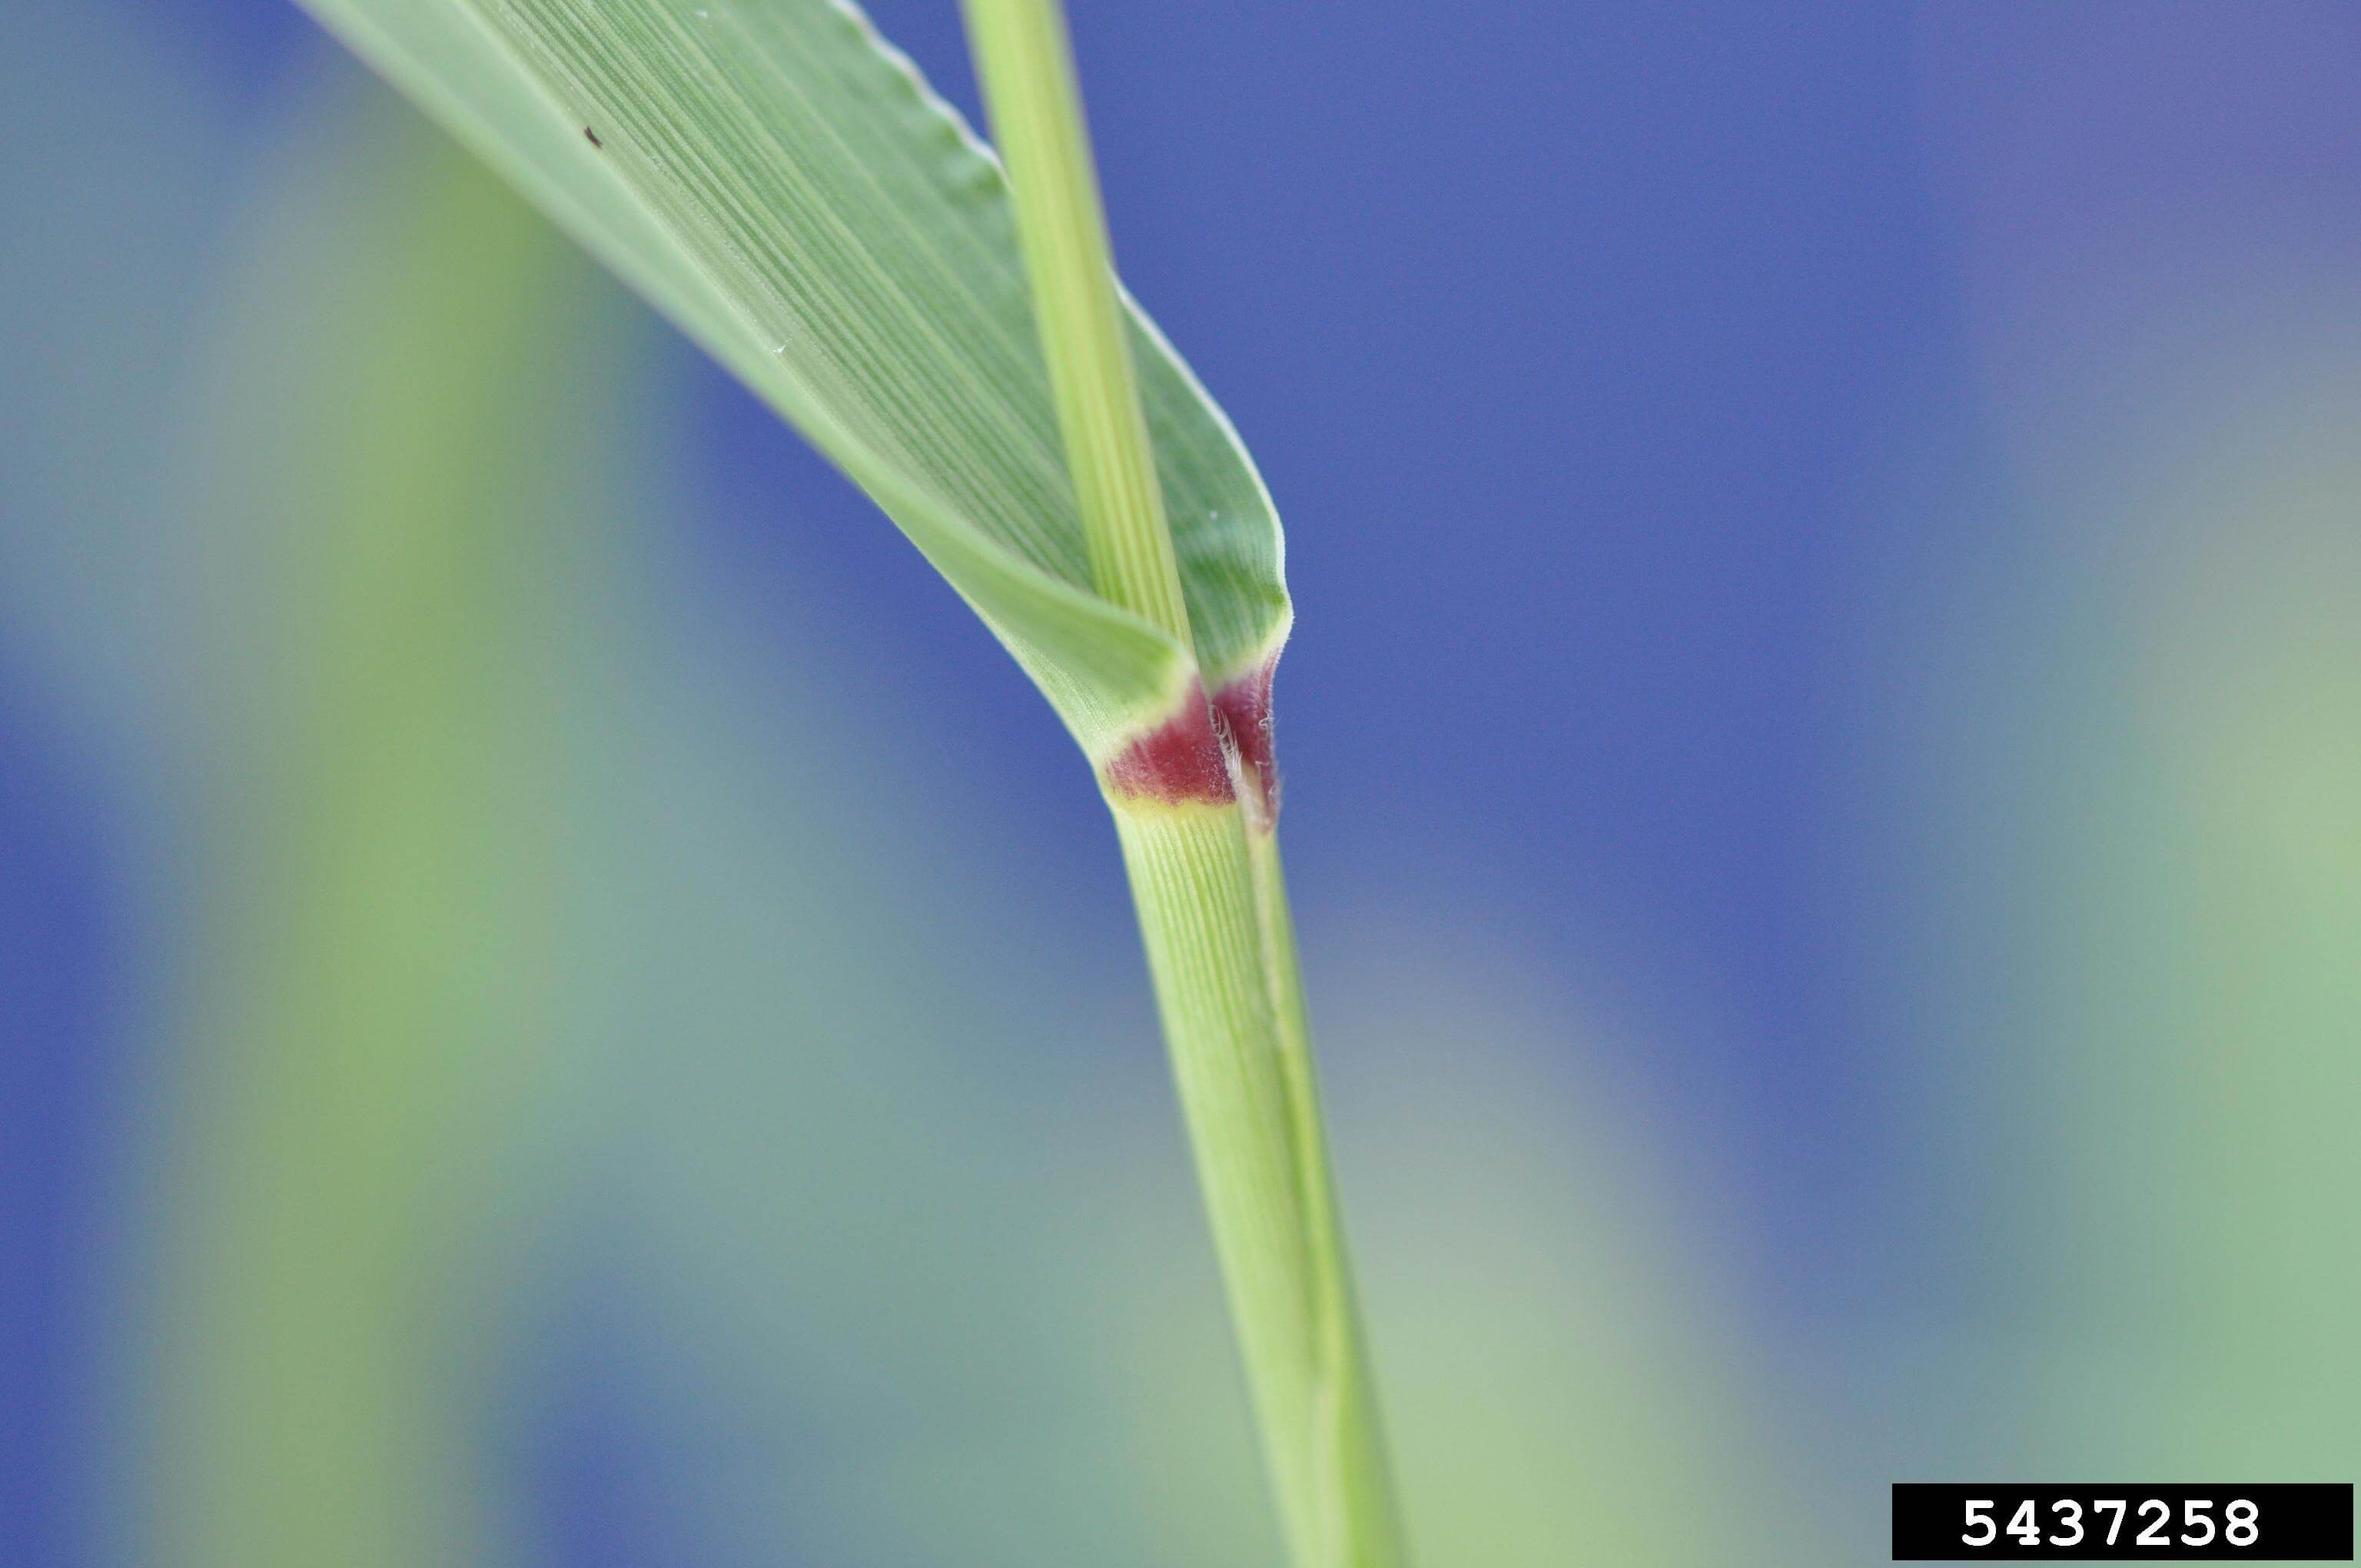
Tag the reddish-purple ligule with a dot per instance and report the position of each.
(1184, 759)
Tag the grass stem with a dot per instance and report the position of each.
(1204, 870)
(1028, 72)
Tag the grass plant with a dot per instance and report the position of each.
(783, 185)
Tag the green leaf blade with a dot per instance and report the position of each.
(786, 187)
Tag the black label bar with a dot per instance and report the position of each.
(2217, 1523)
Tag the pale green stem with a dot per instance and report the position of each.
(1206, 880)
(1213, 911)
(1028, 73)
(1356, 1487)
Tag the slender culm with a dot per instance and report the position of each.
(1028, 72)
(1201, 847)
